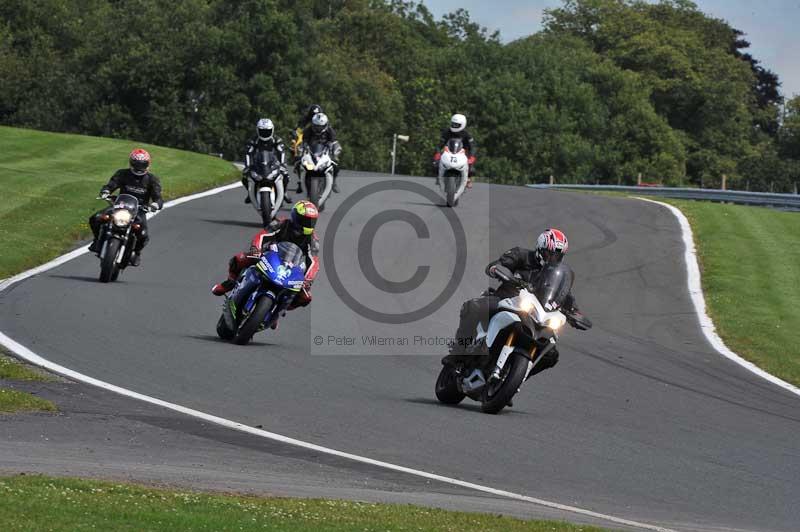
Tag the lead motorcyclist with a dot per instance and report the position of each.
(137, 181)
(551, 246)
(298, 229)
(265, 139)
(320, 131)
(457, 129)
(302, 123)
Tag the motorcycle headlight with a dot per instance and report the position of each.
(309, 166)
(556, 322)
(121, 218)
(525, 304)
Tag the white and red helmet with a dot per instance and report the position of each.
(551, 246)
(140, 161)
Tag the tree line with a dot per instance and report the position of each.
(608, 90)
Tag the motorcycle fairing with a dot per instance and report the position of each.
(284, 274)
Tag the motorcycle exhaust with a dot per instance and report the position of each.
(473, 383)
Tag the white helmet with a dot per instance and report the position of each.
(265, 129)
(319, 123)
(457, 123)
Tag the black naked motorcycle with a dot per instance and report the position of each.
(118, 235)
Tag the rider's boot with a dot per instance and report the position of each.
(247, 199)
(136, 258)
(93, 247)
(223, 288)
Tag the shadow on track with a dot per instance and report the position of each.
(236, 223)
(217, 340)
(83, 278)
(466, 406)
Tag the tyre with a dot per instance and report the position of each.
(450, 190)
(314, 192)
(223, 331)
(266, 207)
(253, 321)
(109, 270)
(447, 391)
(496, 397)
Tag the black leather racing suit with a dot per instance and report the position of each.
(146, 188)
(255, 145)
(524, 263)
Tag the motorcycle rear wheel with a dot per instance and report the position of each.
(252, 322)
(447, 391)
(109, 271)
(494, 400)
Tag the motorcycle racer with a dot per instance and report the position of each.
(137, 181)
(320, 131)
(551, 246)
(457, 129)
(265, 139)
(298, 229)
(297, 135)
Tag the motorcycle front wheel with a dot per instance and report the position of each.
(497, 395)
(450, 190)
(266, 207)
(108, 265)
(253, 321)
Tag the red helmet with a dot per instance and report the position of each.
(139, 161)
(304, 216)
(551, 246)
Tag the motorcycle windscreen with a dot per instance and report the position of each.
(553, 285)
(455, 145)
(127, 202)
(285, 265)
(318, 150)
(265, 161)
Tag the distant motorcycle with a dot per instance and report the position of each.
(453, 171)
(316, 171)
(118, 235)
(520, 332)
(262, 294)
(265, 185)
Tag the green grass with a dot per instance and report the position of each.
(750, 263)
(49, 182)
(14, 370)
(40, 503)
(14, 401)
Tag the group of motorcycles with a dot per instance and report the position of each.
(522, 330)
(265, 185)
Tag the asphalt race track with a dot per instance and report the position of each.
(641, 419)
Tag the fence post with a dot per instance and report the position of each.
(552, 179)
(619, 180)
(639, 179)
(795, 188)
(724, 182)
(772, 186)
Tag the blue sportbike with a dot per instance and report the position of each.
(262, 293)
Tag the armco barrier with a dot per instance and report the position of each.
(766, 199)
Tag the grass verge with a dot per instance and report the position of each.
(16, 401)
(12, 401)
(50, 180)
(41, 503)
(750, 263)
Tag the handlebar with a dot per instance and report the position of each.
(111, 199)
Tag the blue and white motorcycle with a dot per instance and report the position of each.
(263, 292)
